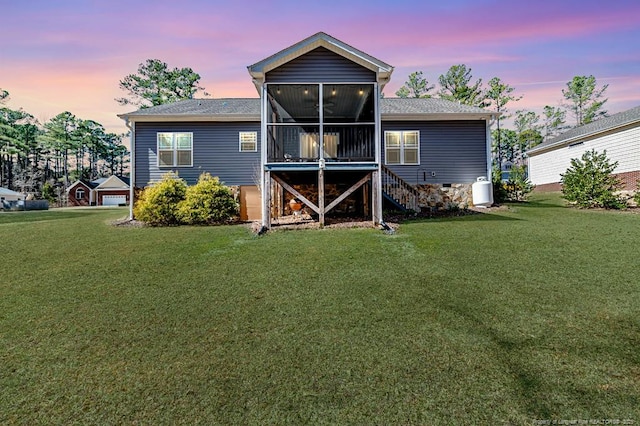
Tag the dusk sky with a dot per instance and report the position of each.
(69, 55)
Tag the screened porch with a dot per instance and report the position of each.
(303, 126)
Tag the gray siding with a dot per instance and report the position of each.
(320, 65)
(215, 150)
(454, 150)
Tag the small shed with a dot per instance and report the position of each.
(9, 195)
(10, 199)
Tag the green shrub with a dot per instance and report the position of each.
(499, 193)
(518, 187)
(207, 202)
(589, 182)
(636, 196)
(49, 193)
(158, 204)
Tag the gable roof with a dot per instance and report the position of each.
(86, 184)
(259, 69)
(248, 109)
(113, 182)
(606, 124)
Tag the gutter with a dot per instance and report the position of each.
(386, 116)
(156, 118)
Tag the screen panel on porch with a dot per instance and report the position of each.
(296, 117)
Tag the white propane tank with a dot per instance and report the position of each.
(482, 191)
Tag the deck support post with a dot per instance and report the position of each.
(321, 196)
(266, 199)
(376, 198)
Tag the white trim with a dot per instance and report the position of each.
(402, 134)
(260, 69)
(174, 150)
(488, 150)
(435, 116)
(265, 176)
(76, 193)
(156, 118)
(70, 187)
(132, 164)
(254, 135)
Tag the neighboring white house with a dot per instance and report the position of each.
(618, 134)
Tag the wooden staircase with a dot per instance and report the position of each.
(397, 191)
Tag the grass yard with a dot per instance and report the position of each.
(514, 317)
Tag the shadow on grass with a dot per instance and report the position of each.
(509, 352)
(541, 203)
(463, 215)
(41, 216)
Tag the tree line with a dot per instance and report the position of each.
(582, 98)
(67, 148)
(43, 159)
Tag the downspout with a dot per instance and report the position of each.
(490, 122)
(132, 165)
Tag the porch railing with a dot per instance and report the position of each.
(399, 191)
(342, 143)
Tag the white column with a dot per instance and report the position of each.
(132, 167)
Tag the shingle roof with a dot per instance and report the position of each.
(426, 106)
(250, 107)
(602, 125)
(228, 106)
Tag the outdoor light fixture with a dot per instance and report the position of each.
(278, 90)
(361, 92)
(333, 91)
(306, 91)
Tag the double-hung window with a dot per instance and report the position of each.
(79, 194)
(402, 147)
(248, 141)
(175, 149)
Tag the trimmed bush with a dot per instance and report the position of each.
(207, 202)
(589, 182)
(158, 204)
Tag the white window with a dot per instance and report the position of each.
(79, 194)
(175, 149)
(248, 141)
(402, 147)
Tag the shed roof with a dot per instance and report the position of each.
(602, 125)
(8, 192)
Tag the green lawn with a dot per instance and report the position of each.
(526, 314)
